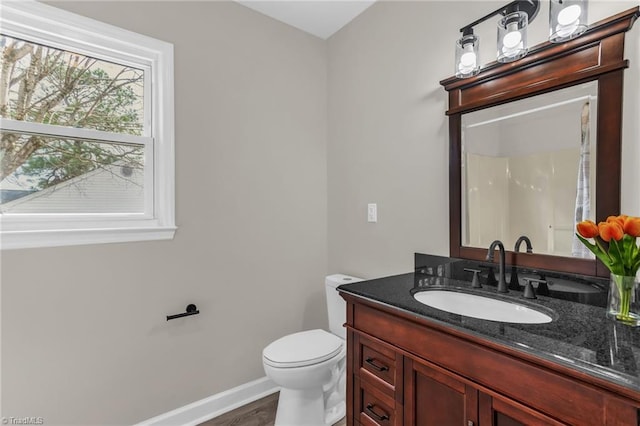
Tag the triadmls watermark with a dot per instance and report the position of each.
(26, 420)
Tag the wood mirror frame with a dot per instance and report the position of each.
(597, 55)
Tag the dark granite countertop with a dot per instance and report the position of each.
(580, 336)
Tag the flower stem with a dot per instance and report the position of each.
(624, 286)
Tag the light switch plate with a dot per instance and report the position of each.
(372, 212)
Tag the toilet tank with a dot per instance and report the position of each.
(336, 306)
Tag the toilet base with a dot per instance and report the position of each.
(336, 413)
(306, 407)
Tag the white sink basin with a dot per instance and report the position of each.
(471, 305)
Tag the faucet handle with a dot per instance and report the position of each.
(475, 282)
(543, 290)
(529, 292)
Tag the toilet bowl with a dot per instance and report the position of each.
(309, 367)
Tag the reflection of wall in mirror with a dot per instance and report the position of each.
(542, 200)
(487, 199)
(484, 186)
(523, 195)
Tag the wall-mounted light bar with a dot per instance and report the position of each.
(567, 20)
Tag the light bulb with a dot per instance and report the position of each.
(512, 39)
(569, 15)
(468, 59)
(567, 19)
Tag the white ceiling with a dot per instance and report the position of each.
(322, 18)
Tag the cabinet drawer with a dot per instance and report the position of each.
(379, 361)
(373, 407)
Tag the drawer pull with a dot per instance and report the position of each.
(377, 416)
(371, 362)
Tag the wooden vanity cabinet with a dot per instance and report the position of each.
(406, 370)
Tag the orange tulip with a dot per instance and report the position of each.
(620, 219)
(610, 230)
(632, 226)
(587, 229)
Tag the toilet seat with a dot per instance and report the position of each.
(302, 349)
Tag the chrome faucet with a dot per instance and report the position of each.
(514, 283)
(502, 285)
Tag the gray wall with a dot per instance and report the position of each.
(261, 183)
(388, 135)
(84, 336)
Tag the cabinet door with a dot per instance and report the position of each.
(435, 397)
(500, 411)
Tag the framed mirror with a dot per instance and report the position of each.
(535, 144)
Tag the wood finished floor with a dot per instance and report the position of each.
(259, 413)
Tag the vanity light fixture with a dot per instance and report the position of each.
(567, 19)
(512, 36)
(467, 55)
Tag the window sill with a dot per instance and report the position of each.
(11, 240)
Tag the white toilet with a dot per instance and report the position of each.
(309, 367)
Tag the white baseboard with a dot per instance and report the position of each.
(215, 405)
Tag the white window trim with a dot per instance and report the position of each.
(37, 21)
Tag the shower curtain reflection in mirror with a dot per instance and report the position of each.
(583, 196)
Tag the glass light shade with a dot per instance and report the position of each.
(567, 19)
(467, 56)
(512, 37)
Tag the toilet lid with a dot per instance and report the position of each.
(304, 348)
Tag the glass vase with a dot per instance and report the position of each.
(624, 299)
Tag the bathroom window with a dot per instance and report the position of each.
(86, 127)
